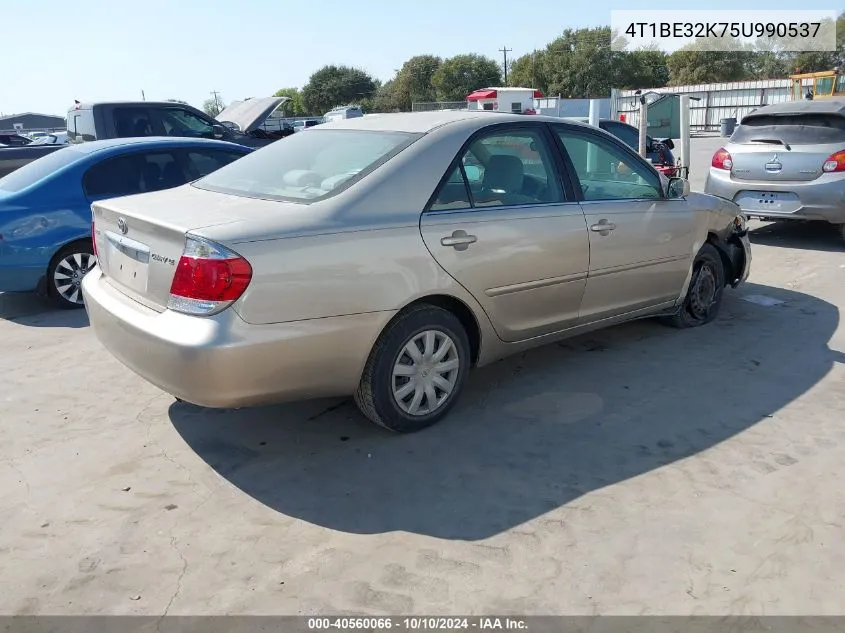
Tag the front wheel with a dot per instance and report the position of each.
(64, 276)
(704, 295)
(415, 371)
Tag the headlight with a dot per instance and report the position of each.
(740, 224)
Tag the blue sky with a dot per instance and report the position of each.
(97, 50)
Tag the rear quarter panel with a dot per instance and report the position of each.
(35, 225)
(338, 274)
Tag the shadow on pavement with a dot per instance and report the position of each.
(815, 236)
(531, 433)
(34, 310)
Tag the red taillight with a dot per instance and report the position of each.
(208, 278)
(835, 162)
(722, 159)
(94, 238)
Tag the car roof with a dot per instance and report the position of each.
(807, 106)
(424, 122)
(154, 141)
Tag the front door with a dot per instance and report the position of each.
(501, 226)
(640, 242)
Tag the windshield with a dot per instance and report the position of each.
(39, 169)
(308, 167)
(795, 129)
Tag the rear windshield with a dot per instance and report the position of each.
(32, 172)
(796, 129)
(308, 167)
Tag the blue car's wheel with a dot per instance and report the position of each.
(64, 277)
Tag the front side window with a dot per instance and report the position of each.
(607, 172)
(178, 122)
(308, 167)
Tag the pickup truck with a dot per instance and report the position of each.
(239, 123)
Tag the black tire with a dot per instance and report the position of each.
(841, 228)
(70, 265)
(704, 295)
(375, 396)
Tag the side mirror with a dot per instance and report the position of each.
(678, 188)
(218, 131)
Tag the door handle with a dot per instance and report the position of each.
(604, 227)
(459, 240)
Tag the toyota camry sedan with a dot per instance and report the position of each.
(385, 256)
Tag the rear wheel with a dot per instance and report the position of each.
(704, 295)
(64, 276)
(415, 371)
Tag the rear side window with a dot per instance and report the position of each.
(133, 173)
(80, 126)
(795, 129)
(39, 169)
(129, 122)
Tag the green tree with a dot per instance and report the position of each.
(817, 61)
(413, 82)
(529, 71)
(333, 86)
(294, 107)
(385, 99)
(702, 62)
(460, 75)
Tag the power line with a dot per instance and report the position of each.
(505, 50)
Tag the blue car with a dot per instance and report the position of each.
(45, 206)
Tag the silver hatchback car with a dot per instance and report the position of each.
(786, 161)
(385, 256)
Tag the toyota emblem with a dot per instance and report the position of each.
(121, 224)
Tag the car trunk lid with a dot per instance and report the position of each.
(785, 147)
(140, 239)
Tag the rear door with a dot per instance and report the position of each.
(785, 148)
(640, 242)
(131, 121)
(502, 225)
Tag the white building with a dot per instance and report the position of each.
(516, 100)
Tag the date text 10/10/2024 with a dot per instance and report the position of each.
(417, 624)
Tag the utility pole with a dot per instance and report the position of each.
(218, 102)
(143, 97)
(505, 50)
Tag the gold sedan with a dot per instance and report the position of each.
(384, 256)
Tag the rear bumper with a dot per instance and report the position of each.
(222, 361)
(820, 199)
